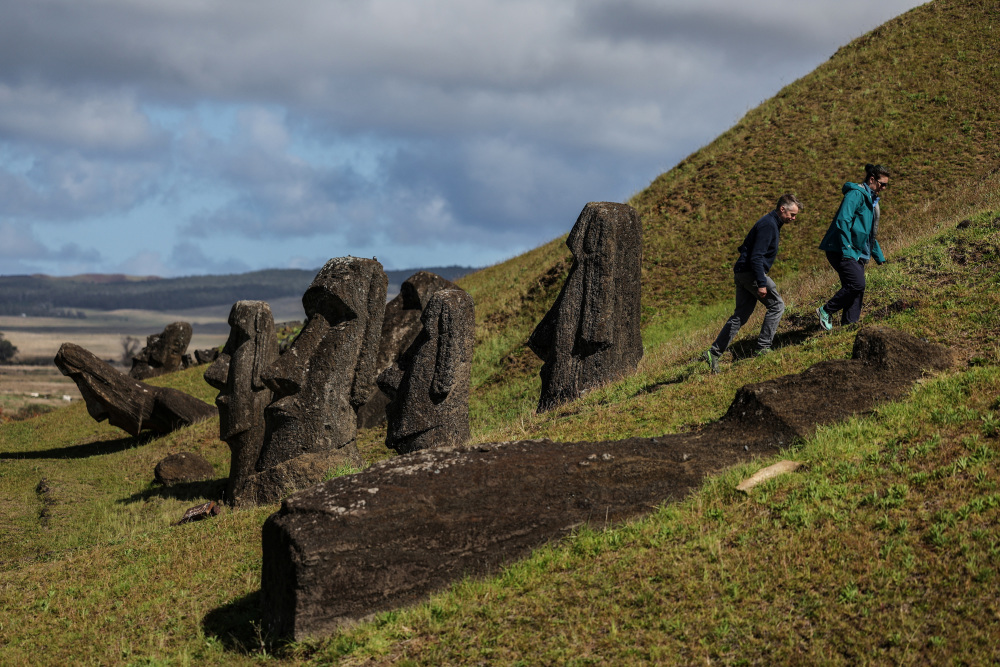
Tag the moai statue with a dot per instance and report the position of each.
(130, 405)
(399, 329)
(322, 379)
(236, 372)
(164, 352)
(591, 334)
(429, 385)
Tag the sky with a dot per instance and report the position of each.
(206, 137)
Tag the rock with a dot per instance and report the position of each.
(399, 329)
(591, 334)
(130, 405)
(237, 373)
(429, 385)
(206, 356)
(164, 352)
(200, 512)
(183, 467)
(392, 534)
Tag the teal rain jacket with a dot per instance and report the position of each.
(851, 228)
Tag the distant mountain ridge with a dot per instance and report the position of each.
(42, 295)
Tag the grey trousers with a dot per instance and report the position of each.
(746, 301)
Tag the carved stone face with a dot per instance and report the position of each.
(236, 373)
(316, 382)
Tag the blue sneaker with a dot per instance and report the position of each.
(824, 318)
(713, 361)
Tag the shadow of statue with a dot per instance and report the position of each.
(86, 449)
(208, 489)
(237, 625)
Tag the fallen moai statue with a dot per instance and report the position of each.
(317, 385)
(591, 334)
(130, 405)
(237, 373)
(164, 352)
(405, 527)
(429, 385)
(400, 327)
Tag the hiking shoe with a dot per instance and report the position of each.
(713, 361)
(824, 318)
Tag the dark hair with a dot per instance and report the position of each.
(875, 171)
(787, 200)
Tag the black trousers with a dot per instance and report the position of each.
(852, 287)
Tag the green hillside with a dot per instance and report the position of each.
(883, 549)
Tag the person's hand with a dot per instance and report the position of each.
(761, 292)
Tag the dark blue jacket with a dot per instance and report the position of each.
(759, 248)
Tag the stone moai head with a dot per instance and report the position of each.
(329, 370)
(591, 334)
(429, 385)
(399, 328)
(237, 373)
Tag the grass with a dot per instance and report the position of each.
(882, 549)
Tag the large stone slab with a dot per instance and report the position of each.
(389, 536)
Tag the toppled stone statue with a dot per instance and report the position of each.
(130, 405)
(429, 385)
(318, 384)
(237, 373)
(164, 352)
(591, 334)
(405, 527)
(399, 329)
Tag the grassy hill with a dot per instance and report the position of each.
(883, 549)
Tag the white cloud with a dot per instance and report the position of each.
(404, 125)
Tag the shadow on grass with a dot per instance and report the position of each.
(745, 348)
(210, 489)
(238, 625)
(85, 450)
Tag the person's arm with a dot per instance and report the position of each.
(766, 235)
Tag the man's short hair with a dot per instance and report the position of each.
(875, 171)
(787, 200)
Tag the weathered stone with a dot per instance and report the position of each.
(324, 377)
(200, 512)
(127, 403)
(183, 467)
(399, 329)
(237, 373)
(164, 352)
(591, 334)
(429, 385)
(206, 356)
(408, 526)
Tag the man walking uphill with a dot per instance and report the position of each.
(757, 254)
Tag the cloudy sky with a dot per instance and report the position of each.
(220, 136)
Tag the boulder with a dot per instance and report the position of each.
(183, 467)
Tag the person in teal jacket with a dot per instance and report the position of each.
(850, 243)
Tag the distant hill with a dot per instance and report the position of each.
(41, 295)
